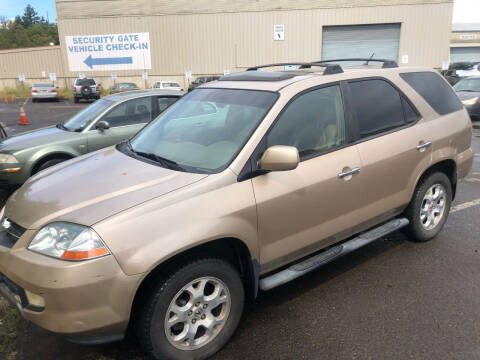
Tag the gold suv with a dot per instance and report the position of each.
(244, 184)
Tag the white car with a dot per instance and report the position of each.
(167, 85)
(44, 91)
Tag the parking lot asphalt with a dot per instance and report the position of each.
(39, 114)
(393, 299)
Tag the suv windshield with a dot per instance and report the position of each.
(83, 82)
(203, 131)
(468, 85)
(81, 120)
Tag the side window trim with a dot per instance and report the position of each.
(250, 168)
(356, 138)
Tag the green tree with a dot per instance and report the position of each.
(27, 30)
(29, 18)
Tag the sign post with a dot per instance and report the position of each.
(53, 77)
(279, 32)
(114, 77)
(145, 77)
(21, 78)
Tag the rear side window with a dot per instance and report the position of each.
(410, 114)
(377, 105)
(434, 90)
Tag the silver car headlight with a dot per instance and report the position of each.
(470, 101)
(68, 241)
(8, 159)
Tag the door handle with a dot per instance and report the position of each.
(347, 173)
(423, 146)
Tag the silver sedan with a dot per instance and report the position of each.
(44, 91)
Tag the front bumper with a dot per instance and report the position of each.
(9, 175)
(84, 301)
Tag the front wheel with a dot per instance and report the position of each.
(429, 208)
(193, 312)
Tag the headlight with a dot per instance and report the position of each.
(8, 159)
(470, 101)
(68, 242)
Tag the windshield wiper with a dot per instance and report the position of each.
(61, 127)
(466, 90)
(159, 159)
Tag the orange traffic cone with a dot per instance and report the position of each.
(5, 98)
(23, 117)
(12, 99)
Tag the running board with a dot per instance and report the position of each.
(298, 269)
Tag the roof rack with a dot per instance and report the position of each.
(386, 63)
(329, 68)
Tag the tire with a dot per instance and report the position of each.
(86, 90)
(151, 324)
(34, 100)
(422, 227)
(76, 100)
(47, 164)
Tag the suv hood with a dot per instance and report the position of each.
(35, 138)
(91, 188)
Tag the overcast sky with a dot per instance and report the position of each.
(464, 11)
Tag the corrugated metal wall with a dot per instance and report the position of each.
(73, 9)
(31, 62)
(208, 43)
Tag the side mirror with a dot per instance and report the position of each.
(280, 158)
(103, 125)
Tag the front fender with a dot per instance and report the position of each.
(143, 237)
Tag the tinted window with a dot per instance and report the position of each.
(164, 102)
(313, 122)
(130, 112)
(377, 106)
(38, 85)
(434, 90)
(410, 114)
(88, 82)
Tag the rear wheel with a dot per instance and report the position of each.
(429, 208)
(192, 313)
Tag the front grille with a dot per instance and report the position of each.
(10, 232)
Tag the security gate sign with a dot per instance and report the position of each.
(109, 52)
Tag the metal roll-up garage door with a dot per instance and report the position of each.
(464, 54)
(348, 41)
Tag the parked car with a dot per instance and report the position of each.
(202, 80)
(44, 91)
(123, 86)
(167, 85)
(85, 89)
(468, 91)
(106, 122)
(244, 184)
(459, 70)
